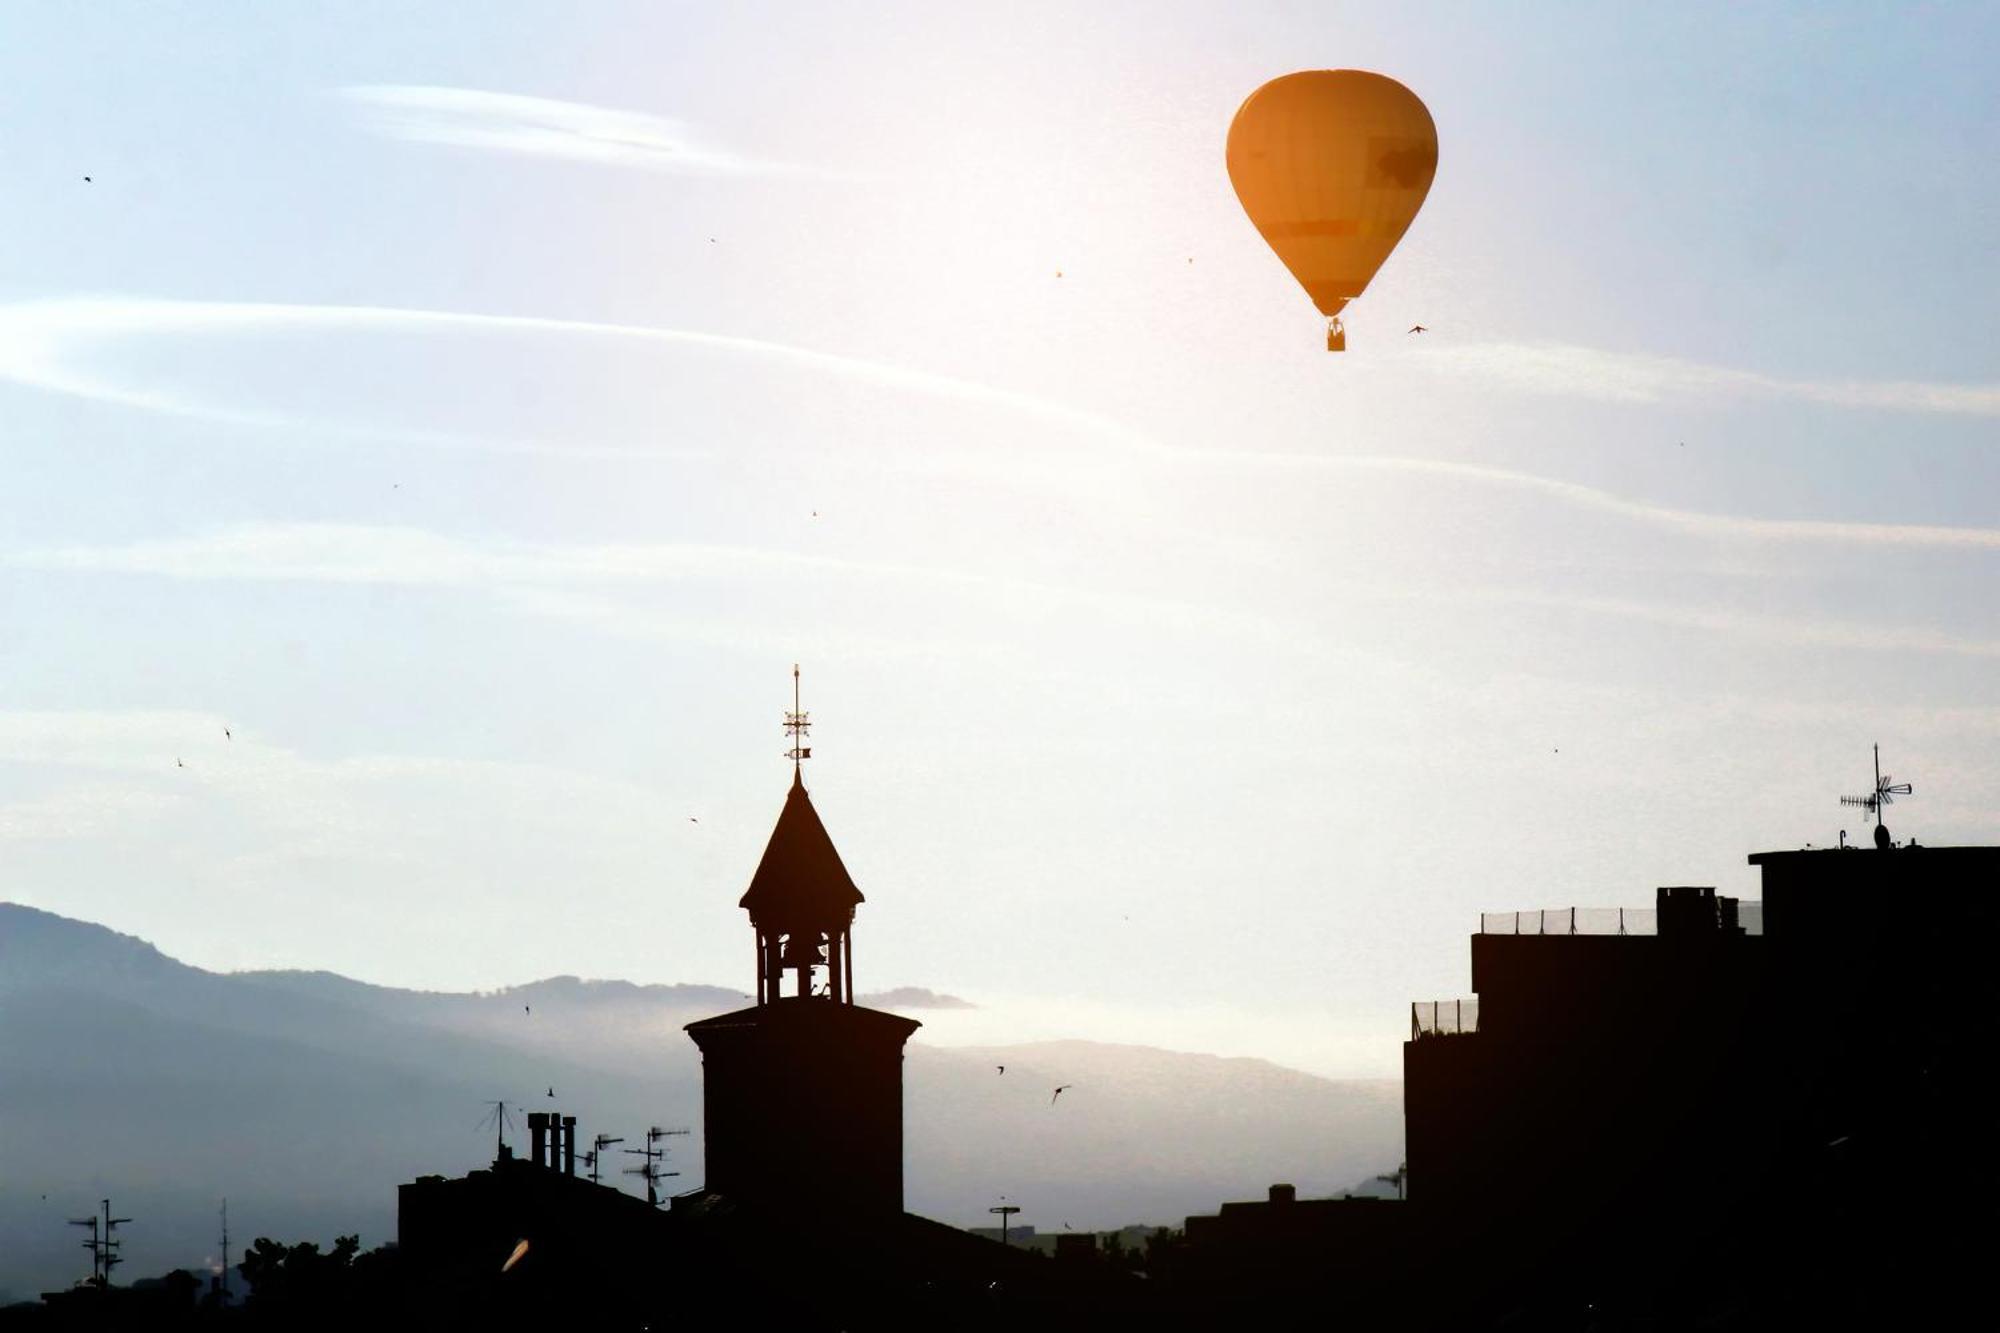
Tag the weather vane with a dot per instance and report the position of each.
(797, 727)
(1886, 790)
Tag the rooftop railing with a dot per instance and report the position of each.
(1443, 1018)
(1599, 921)
(1572, 921)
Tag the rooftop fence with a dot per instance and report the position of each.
(1442, 1018)
(1599, 921)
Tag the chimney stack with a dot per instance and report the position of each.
(569, 1145)
(538, 1137)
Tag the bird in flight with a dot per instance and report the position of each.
(179, 764)
(527, 1009)
(1059, 1092)
(226, 736)
(693, 820)
(86, 180)
(1418, 328)
(1001, 1068)
(552, 1090)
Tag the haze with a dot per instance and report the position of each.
(477, 411)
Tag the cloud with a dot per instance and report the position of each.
(1584, 372)
(77, 812)
(546, 127)
(540, 578)
(1728, 621)
(913, 997)
(1692, 521)
(41, 344)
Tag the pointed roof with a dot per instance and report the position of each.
(801, 874)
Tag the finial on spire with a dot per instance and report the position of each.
(798, 728)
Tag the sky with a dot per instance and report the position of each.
(431, 435)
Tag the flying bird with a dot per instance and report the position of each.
(226, 736)
(552, 1090)
(86, 180)
(1001, 1068)
(1059, 1092)
(1418, 328)
(527, 1009)
(179, 764)
(693, 820)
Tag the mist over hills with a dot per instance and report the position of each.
(306, 1098)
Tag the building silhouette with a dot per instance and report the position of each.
(1718, 1112)
(799, 1221)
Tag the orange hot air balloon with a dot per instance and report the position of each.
(1332, 166)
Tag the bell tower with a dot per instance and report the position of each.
(801, 901)
(802, 1093)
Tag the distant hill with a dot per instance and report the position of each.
(306, 1098)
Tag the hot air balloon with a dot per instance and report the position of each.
(1332, 166)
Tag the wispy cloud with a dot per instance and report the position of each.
(1586, 372)
(545, 580)
(546, 127)
(1692, 521)
(370, 554)
(42, 346)
(41, 343)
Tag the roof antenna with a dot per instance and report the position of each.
(798, 728)
(501, 1122)
(1886, 790)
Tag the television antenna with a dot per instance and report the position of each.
(92, 1245)
(102, 1245)
(502, 1121)
(596, 1154)
(650, 1168)
(1006, 1211)
(222, 1278)
(1402, 1174)
(1886, 790)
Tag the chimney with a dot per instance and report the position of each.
(569, 1145)
(1687, 909)
(538, 1137)
(1284, 1194)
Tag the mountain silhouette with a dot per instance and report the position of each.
(306, 1098)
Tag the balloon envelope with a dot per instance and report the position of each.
(1332, 166)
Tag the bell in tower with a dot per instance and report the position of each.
(802, 1094)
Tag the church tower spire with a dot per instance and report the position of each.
(802, 1093)
(801, 900)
